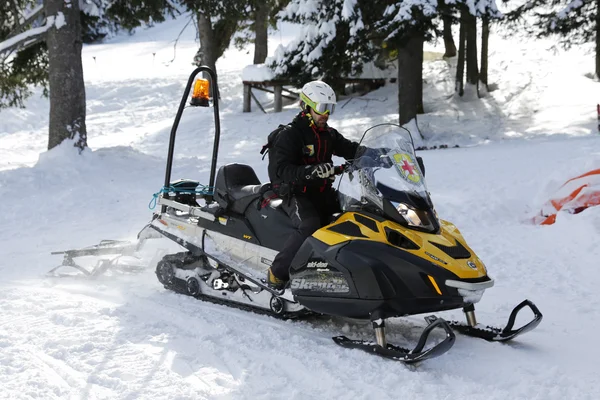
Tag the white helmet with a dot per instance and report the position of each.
(319, 96)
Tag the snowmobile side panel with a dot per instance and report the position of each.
(240, 252)
(231, 225)
(249, 255)
(196, 250)
(379, 278)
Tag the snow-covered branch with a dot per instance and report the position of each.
(32, 14)
(27, 19)
(31, 36)
(573, 5)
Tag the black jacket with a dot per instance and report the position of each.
(298, 145)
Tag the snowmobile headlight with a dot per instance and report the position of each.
(409, 214)
(200, 93)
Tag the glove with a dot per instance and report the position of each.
(322, 171)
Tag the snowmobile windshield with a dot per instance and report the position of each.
(385, 179)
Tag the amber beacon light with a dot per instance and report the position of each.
(200, 93)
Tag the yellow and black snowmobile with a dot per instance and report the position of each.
(387, 254)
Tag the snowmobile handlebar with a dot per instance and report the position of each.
(339, 169)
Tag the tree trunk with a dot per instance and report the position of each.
(410, 72)
(261, 27)
(485, 34)
(214, 39)
(208, 46)
(67, 89)
(598, 39)
(460, 64)
(448, 39)
(472, 68)
(419, 71)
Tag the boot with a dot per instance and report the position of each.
(274, 282)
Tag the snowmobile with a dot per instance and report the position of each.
(387, 254)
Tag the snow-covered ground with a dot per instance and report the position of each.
(125, 337)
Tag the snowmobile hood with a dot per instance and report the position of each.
(446, 249)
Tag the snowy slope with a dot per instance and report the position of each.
(125, 337)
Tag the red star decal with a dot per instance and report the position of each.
(406, 166)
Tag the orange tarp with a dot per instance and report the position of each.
(574, 196)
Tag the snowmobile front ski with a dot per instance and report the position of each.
(387, 350)
(492, 334)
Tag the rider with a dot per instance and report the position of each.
(302, 173)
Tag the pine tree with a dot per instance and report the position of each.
(65, 75)
(25, 64)
(331, 45)
(19, 70)
(217, 21)
(576, 22)
(467, 47)
(263, 14)
(40, 44)
(408, 25)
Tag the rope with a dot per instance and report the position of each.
(199, 190)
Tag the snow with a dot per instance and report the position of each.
(257, 73)
(573, 5)
(60, 19)
(124, 336)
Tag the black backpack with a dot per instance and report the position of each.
(272, 138)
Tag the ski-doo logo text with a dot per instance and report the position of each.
(436, 258)
(333, 286)
(317, 264)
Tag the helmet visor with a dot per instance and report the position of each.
(324, 108)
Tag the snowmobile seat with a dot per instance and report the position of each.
(271, 199)
(236, 187)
